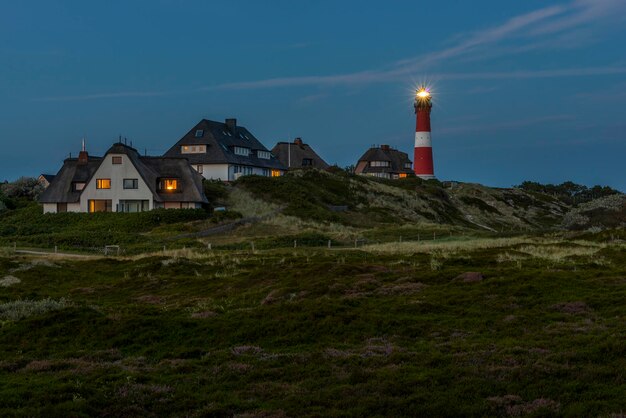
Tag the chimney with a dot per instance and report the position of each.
(298, 141)
(231, 124)
(83, 157)
(384, 147)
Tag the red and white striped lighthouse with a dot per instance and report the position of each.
(423, 156)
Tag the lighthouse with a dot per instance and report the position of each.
(423, 156)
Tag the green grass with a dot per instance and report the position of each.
(311, 332)
(135, 232)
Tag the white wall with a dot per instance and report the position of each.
(73, 207)
(49, 208)
(215, 172)
(117, 173)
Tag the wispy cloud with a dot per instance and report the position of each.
(544, 28)
(503, 126)
(100, 96)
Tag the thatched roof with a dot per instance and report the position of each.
(297, 154)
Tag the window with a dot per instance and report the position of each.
(117, 160)
(244, 170)
(275, 173)
(133, 206)
(379, 164)
(266, 172)
(199, 133)
(381, 175)
(407, 165)
(61, 207)
(169, 185)
(131, 183)
(103, 183)
(307, 162)
(241, 151)
(402, 175)
(200, 168)
(264, 154)
(77, 187)
(100, 206)
(193, 149)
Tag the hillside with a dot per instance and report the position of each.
(313, 207)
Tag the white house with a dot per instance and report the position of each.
(225, 151)
(123, 181)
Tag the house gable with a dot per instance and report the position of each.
(114, 169)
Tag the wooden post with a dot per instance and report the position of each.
(252, 244)
(295, 243)
(434, 236)
(329, 243)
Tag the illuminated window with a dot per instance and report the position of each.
(100, 206)
(169, 185)
(103, 183)
(193, 149)
(117, 160)
(402, 175)
(275, 173)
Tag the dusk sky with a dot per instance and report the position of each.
(523, 90)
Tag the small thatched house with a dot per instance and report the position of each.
(297, 154)
(385, 162)
(123, 181)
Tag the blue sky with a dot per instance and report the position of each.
(524, 90)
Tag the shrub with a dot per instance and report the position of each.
(20, 309)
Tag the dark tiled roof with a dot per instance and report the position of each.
(397, 160)
(61, 188)
(220, 139)
(299, 151)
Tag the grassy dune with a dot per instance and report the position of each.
(386, 330)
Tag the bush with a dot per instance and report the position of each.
(20, 309)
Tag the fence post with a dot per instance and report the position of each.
(434, 236)
(400, 238)
(295, 243)
(209, 246)
(164, 249)
(55, 249)
(329, 244)
(252, 244)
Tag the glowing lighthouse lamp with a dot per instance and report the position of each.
(423, 155)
